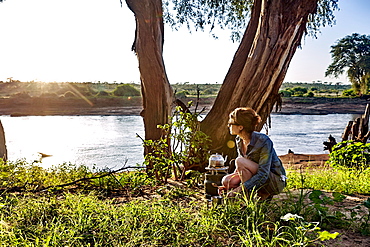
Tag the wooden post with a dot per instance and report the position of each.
(358, 130)
(366, 115)
(347, 131)
(355, 128)
(364, 125)
(366, 137)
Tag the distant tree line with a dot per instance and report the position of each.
(68, 89)
(288, 89)
(300, 89)
(181, 90)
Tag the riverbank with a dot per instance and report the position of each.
(303, 161)
(127, 106)
(323, 106)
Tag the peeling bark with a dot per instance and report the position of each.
(259, 66)
(257, 71)
(148, 46)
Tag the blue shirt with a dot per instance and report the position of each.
(261, 151)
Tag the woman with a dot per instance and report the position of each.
(257, 166)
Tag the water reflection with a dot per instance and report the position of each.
(306, 133)
(107, 141)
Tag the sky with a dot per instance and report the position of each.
(90, 40)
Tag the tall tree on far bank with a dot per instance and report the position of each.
(352, 53)
(273, 33)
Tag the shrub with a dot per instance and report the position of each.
(349, 93)
(210, 91)
(182, 94)
(189, 151)
(310, 94)
(350, 154)
(126, 90)
(299, 91)
(103, 93)
(286, 93)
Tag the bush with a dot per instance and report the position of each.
(190, 147)
(350, 154)
(103, 93)
(310, 94)
(182, 94)
(299, 91)
(286, 93)
(349, 93)
(126, 90)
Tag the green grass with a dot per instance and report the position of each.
(86, 220)
(343, 181)
(104, 211)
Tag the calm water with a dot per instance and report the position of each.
(107, 141)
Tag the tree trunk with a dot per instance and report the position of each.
(259, 66)
(148, 46)
(358, 130)
(3, 150)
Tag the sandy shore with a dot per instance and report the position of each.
(298, 161)
(318, 106)
(124, 106)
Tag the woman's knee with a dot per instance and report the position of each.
(226, 179)
(242, 163)
(231, 181)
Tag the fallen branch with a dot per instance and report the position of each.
(89, 178)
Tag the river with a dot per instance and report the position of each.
(108, 141)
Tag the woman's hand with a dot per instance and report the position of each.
(221, 189)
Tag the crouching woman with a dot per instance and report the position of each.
(257, 167)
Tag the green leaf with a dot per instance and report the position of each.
(325, 235)
(367, 203)
(315, 196)
(338, 197)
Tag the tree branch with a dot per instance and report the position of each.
(89, 178)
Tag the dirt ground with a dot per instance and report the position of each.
(297, 161)
(347, 238)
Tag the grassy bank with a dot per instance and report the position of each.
(75, 206)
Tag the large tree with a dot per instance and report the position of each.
(274, 32)
(148, 46)
(352, 53)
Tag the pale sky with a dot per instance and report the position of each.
(90, 40)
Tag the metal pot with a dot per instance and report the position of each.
(216, 161)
